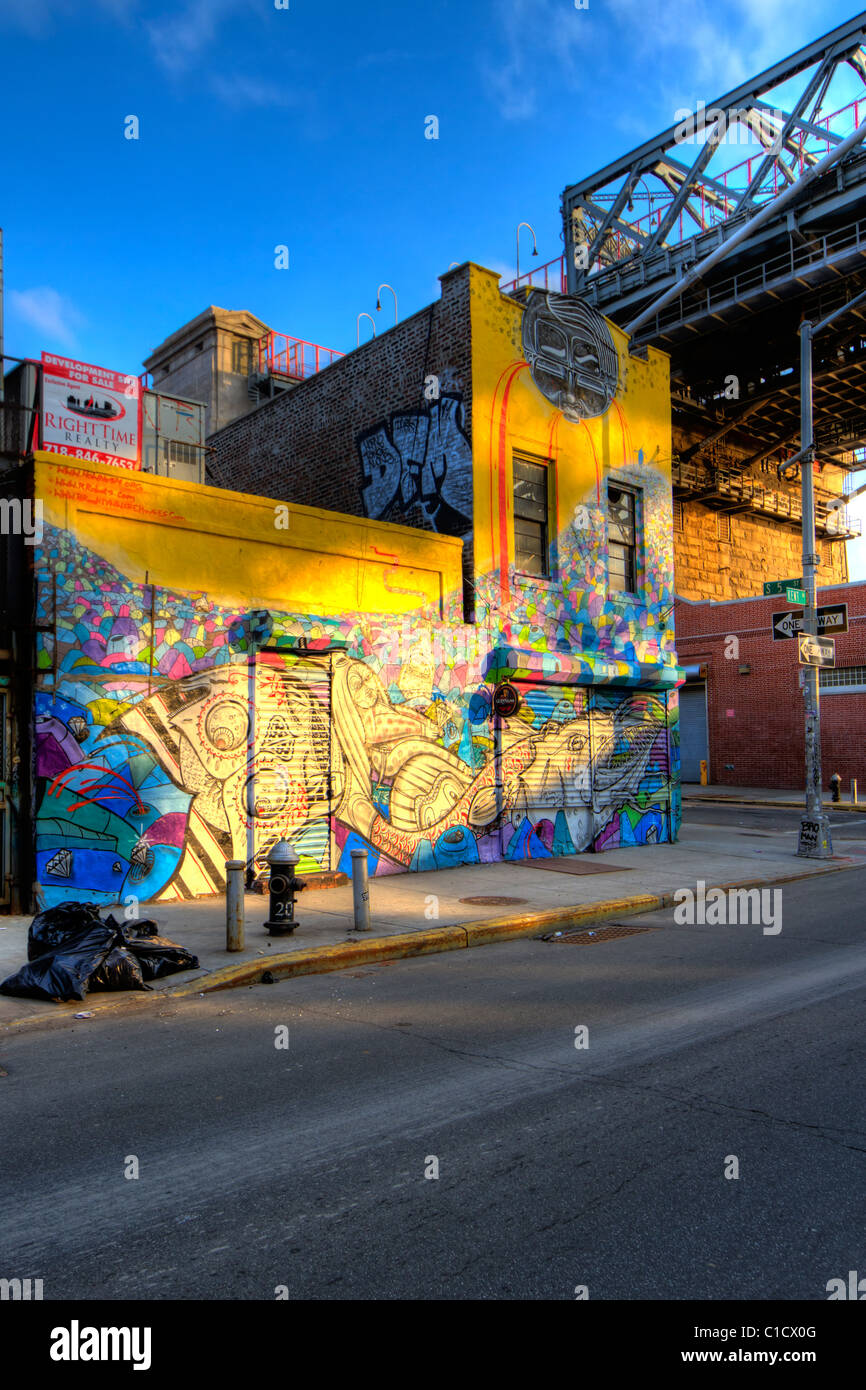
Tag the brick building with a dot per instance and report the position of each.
(741, 709)
(328, 441)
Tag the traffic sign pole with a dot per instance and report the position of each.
(815, 841)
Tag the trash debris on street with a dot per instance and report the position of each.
(71, 950)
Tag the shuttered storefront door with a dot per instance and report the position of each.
(290, 785)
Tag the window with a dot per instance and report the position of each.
(621, 538)
(531, 518)
(679, 516)
(842, 677)
(723, 527)
(242, 357)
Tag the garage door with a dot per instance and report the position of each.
(693, 731)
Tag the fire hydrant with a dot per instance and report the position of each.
(835, 784)
(283, 887)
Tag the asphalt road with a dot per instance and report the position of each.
(846, 827)
(558, 1166)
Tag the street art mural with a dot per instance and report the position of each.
(150, 776)
(417, 469)
(175, 729)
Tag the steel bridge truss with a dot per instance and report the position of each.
(632, 229)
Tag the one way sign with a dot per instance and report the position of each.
(817, 651)
(832, 619)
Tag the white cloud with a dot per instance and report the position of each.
(679, 51)
(178, 40)
(50, 313)
(40, 17)
(251, 91)
(532, 37)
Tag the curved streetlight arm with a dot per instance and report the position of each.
(534, 243)
(393, 291)
(358, 325)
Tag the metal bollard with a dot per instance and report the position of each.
(235, 904)
(361, 890)
(853, 791)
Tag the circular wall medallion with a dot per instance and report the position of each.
(571, 354)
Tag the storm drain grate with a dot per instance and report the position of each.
(493, 901)
(588, 936)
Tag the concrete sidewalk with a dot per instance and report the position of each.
(763, 796)
(423, 905)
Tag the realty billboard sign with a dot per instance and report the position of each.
(90, 412)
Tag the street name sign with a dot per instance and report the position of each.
(796, 596)
(778, 586)
(816, 651)
(832, 619)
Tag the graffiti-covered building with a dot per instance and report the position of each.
(214, 669)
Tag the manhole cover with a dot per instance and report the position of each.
(588, 936)
(493, 901)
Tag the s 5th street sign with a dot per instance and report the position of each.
(779, 586)
(832, 620)
(816, 651)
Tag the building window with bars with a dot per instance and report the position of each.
(842, 678)
(679, 516)
(723, 527)
(622, 539)
(531, 517)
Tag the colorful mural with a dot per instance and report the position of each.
(322, 688)
(149, 780)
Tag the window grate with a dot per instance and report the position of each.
(849, 676)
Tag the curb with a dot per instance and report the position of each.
(403, 946)
(320, 960)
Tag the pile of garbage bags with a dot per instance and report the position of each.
(71, 950)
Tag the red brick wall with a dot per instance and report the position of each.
(302, 446)
(763, 737)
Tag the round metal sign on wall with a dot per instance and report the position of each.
(505, 700)
(571, 354)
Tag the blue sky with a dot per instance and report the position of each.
(304, 127)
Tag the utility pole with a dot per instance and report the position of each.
(815, 841)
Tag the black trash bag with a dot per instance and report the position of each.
(56, 924)
(146, 927)
(158, 956)
(119, 970)
(65, 972)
